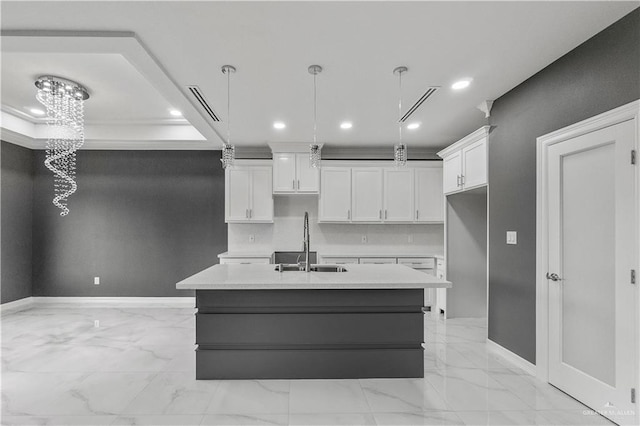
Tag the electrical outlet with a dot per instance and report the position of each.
(252, 238)
(96, 280)
(512, 237)
(410, 238)
(364, 239)
(96, 323)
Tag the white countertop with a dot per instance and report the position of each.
(262, 277)
(249, 254)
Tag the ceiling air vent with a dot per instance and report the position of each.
(195, 92)
(430, 91)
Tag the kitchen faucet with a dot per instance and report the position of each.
(305, 242)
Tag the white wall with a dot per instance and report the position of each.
(286, 233)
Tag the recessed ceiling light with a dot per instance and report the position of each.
(346, 125)
(279, 125)
(462, 84)
(36, 111)
(413, 126)
(175, 113)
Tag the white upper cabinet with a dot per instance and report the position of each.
(248, 194)
(465, 162)
(373, 192)
(292, 174)
(334, 204)
(452, 170)
(398, 195)
(308, 178)
(429, 198)
(366, 194)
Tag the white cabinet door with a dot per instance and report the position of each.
(261, 209)
(237, 194)
(452, 172)
(284, 173)
(398, 195)
(429, 197)
(366, 202)
(308, 178)
(335, 198)
(474, 160)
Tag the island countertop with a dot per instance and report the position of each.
(262, 277)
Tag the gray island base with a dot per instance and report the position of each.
(271, 327)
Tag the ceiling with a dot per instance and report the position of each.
(137, 59)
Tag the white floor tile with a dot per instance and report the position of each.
(251, 396)
(327, 396)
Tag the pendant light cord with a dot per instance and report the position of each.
(315, 108)
(228, 107)
(400, 108)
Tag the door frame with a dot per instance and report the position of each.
(630, 111)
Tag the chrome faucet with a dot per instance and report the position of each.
(305, 242)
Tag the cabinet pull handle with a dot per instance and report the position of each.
(417, 214)
(385, 213)
(380, 214)
(298, 184)
(462, 180)
(458, 180)
(293, 184)
(349, 214)
(250, 213)
(246, 213)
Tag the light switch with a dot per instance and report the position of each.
(512, 237)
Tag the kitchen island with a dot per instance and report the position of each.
(254, 322)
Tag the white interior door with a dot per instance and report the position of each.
(591, 223)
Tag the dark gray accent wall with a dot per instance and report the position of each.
(601, 74)
(140, 220)
(16, 181)
(467, 268)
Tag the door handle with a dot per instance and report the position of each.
(553, 277)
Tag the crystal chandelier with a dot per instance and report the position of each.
(64, 103)
(400, 149)
(314, 148)
(228, 150)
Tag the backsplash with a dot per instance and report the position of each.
(286, 233)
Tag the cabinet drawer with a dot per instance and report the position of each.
(244, 260)
(340, 260)
(418, 262)
(377, 260)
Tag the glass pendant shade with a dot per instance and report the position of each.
(314, 155)
(64, 103)
(400, 155)
(228, 155)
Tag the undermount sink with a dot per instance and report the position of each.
(292, 267)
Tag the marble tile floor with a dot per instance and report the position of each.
(135, 366)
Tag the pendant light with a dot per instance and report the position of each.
(314, 148)
(400, 149)
(228, 150)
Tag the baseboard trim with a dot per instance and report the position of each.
(16, 305)
(515, 359)
(129, 302)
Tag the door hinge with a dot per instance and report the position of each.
(633, 276)
(633, 156)
(633, 395)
